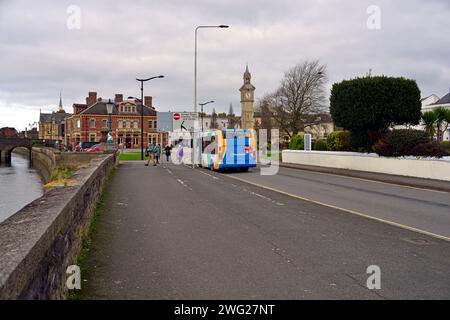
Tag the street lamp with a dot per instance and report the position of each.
(195, 60)
(109, 109)
(222, 26)
(201, 112)
(142, 110)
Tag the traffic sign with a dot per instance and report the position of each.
(184, 121)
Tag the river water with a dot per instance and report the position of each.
(19, 185)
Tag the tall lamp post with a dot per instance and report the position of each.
(195, 60)
(222, 26)
(142, 110)
(109, 109)
(201, 109)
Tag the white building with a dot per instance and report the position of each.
(432, 102)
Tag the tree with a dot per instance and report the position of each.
(231, 118)
(213, 124)
(369, 106)
(442, 121)
(429, 121)
(300, 95)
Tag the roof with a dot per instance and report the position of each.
(54, 116)
(444, 100)
(100, 108)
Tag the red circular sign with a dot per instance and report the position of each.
(176, 116)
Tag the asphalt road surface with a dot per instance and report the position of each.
(172, 232)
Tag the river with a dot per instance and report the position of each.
(19, 185)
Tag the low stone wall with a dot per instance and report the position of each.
(419, 168)
(39, 242)
(45, 160)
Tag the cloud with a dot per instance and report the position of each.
(119, 41)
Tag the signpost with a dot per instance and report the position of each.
(184, 121)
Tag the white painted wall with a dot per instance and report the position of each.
(429, 169)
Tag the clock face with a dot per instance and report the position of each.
(248, 95)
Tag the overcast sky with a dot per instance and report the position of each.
(120, 40)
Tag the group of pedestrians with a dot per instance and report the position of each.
(153, 153)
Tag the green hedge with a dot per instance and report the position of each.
(369, 106)
(320, 145)
(297, 142)
(339, 141)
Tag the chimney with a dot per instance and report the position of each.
(148, 101)
(118, 98)
(92, 98)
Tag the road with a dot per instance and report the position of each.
(172, 232)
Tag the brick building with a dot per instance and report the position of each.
(51, 125)
(89, 122)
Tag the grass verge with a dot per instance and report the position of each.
(86, 248)
(131, 156)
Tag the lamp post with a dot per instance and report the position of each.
(142, 110)
(109, 109)
(195, 81)
(201, 110)
(195, 60)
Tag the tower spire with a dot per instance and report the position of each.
(60, 102)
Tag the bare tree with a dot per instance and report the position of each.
(300, 98)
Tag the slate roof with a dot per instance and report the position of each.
(56, 116)
(100, 108)
(444, 100)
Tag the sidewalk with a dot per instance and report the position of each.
(394, 179)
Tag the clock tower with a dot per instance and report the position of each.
(247, 100)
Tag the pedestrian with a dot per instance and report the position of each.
(151, 154)
(168, 150)
(157, 152)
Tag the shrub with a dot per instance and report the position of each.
(397, 143)
(320, 145)
(429, 150)
(297, 142)
(339, 141)
(370, 105)
(446, 145)
(373, 103)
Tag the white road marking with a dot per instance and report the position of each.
(364, 215)
(368, 180)
(209, 175)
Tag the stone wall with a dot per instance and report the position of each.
(45, 160)
(39, 242)
(418, 168)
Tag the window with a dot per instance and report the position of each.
(120, 139)
(92, 123)
(150, 124)
(78, 123)
(92, 137)
(128, 124)
(120, 124)
(105, 123)
(136, 140)
(136, 124)
(155, 124)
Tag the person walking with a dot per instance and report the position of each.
(157, 152)
(151, 154)
(168, 150)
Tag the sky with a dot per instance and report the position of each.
(73, 47)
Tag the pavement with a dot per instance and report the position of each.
(173, 232)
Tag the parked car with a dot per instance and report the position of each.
(94, 148)
(84, 146)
